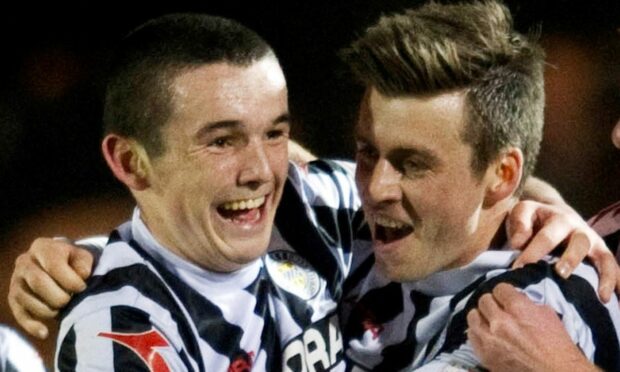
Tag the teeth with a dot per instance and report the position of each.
(244, 204)
(388, 222)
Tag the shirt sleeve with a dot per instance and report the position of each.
(16, 354)
(118, 338)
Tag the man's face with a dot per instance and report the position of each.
(420, 195)
(221, 176)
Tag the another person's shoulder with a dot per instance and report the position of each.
(607, 220)
(322, 169)
(326, 182)
(123, 277)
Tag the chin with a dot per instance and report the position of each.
(247, 250)
(399, 272)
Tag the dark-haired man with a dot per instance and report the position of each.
(197, 126)
(188, 275)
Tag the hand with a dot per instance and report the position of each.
(510, 333)
(538, 228)
(43, 280)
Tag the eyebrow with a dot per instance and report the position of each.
(403, 152)
(424, 154)
(233, 124)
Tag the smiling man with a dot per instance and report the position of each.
(196, 126)
(200, 278)
(449, 129)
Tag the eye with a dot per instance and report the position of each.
(275, 134)
(414, 167)
(279, 132)
(365, 152)
(224, 141)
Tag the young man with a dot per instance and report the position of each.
(449, 128)
(507, 323)
(223, 242)
(196, 126)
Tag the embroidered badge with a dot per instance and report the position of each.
(292, 273)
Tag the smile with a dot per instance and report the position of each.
(388, 230)
(243, 204)
(243, 211)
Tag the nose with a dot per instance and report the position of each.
(384, 183)
(255, 167)
(615, 135)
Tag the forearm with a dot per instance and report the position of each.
(541, 191)
(298, 154)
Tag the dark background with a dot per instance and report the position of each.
(53, 180)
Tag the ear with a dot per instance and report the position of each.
(505, 176)
(128, 161)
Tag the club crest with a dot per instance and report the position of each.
(293, 273)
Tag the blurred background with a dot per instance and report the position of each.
(53, 180)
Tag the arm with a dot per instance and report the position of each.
(298, 154)
(540, 191)
(43, 280)
(511, 333)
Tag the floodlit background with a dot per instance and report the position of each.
(53, 180)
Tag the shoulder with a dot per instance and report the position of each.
(123, 277)
(17, 354)
(117, 336)
(607, 221)
(326, 182)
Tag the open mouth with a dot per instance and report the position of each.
(243, 211)
(388, 230)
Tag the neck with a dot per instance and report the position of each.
(491, 230)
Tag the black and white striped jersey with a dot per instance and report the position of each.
(17, 354)
(147, 309)
(607, 224)
(422, 325)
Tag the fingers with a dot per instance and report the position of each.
(490, 310)
(81, 261)
(56, 258)
(558, 224)
(18, 296)
(555, 230)
(510, 299)
(577, 250)
(476, 329)
(24, 298)
(608, 270)
(31, 285)
(520, 224)
(474, 319)
(34, 294)
(40, 284)
(29, 324)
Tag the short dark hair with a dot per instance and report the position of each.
(470, 46)
(138, 96)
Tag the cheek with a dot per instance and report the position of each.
(278, 160)
(362, 174)
(615, 135)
